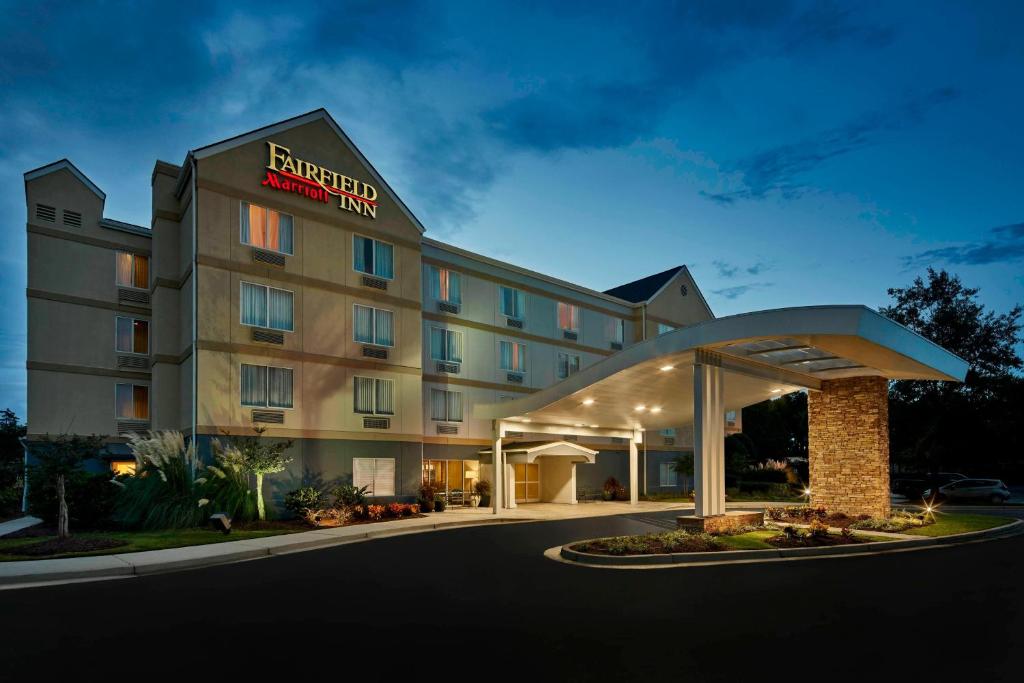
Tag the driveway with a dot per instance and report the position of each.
(483, 603)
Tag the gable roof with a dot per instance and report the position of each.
(301, 120)
(645, 288)
(65, 164)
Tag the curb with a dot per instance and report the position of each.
(663, 560)
(23, 573)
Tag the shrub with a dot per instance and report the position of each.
(302, 499)
(897, 522)
(90, 497)
(847, 533)
(774, 514)
(610, 484)
(440, 504)
(395, 510)
(818, 529)
(407, 510)
(375, 512)
(482, 487)
(347, 495)
(621, 493)
(427, 492)
(166, 491)
(414, 509)
(806, 512)
(425, 505)
(791, 532)
(227, 486)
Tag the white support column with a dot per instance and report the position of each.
(708, 440)
(634, 470)
(498, 486)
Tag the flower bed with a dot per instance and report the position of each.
(650, 544)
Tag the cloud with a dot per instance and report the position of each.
(730, 270)
(1005, 244)
(739, 290)
(725, 269)
(779, 170)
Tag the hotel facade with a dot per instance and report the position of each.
(282, 283)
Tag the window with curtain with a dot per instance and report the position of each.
(374, 326)
(266, 229)
(265, 386)
(663, 328)
(513, 302)
(568, 316)
(376, 474)
(132, 270)
(131, 402)
(132, 335)
(668, 475)
(373, 396)
(618, 330)
(568, 364)
(445, 406)
(445, 285)
(263, 306)
(373, 257)
(513, 356)
(446, 345)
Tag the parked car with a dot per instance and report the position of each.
(991, 490)
(913, 486)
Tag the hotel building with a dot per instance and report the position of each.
(281, 282)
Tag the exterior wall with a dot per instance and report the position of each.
(848, 446)
(557, 479)
(672, 307)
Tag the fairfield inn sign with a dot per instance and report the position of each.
(289, 174)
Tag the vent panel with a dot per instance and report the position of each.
(376, 423)
(446, 307)
(130, 426)
(268, 257)
(447, 429)
(450, 368)
(570, 335)
(514, 377)
(267, 336)
(72, 218)
(133, 362)
(512, 322)
(132, 296)
(514, 435)
(273, 417)
(670, 441)
(46, 213)
(375, 282)
(375, 352)
(616, 346)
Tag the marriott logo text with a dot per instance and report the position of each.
(289, 174)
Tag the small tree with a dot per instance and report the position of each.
(61, 456)
(11, 457)
(259, 457)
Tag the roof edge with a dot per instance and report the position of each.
(65, 164)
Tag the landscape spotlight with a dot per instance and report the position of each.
(221, 522)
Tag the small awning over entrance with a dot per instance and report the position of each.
(529, 451)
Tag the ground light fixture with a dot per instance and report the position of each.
(221, 522)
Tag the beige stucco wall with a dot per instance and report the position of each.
(674, 308)
(557, 479)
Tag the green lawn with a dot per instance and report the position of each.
(947, 523)
(141, 540)
(752, 540)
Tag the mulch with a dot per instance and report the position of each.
(73, 544)
(782, 541)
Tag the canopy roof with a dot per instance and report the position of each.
(528, 451)
(764, 354)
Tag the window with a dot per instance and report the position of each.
(663, 328)
(374, 396)
(131, 402)
(730, 418)
(119, 467)
(513, 356)
(266, 228)
(445, 406)
(618, 330)
(568, 364)
(668, 475)
(513, 302)
(266, 386)
(445, 285)
(268, 307)
(669, 432)
(373, 257)
(446, 345)
(376, 474)
(132, 270)
(568, 316)
(374, 326)
(132, 335)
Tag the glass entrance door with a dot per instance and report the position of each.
(527, 483)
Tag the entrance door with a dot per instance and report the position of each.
(527, 483)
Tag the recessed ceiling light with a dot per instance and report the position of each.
(578, 424)
(640, 409)
(588, 401)
(656, 409)
(526, 419)
(666, 368)
(776, 391)
(593, 426)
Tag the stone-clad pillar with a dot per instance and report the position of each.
(848, 445)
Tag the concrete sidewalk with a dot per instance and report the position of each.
(12, 525)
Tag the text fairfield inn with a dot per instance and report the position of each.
(289, 174)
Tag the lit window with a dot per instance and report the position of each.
(513, 356)
(568, 364)
(445, 285)
(668, 475)
(132, 335)
(264, 306)
(132, 270)
(374, 326)
(374, 396)
(122, 467)
(266, 228)
(373, 257)
(376, 474)
(265, 386)
(568, 316)
(513, 302)
(445, 406)
(446, 345)
(131, 402)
